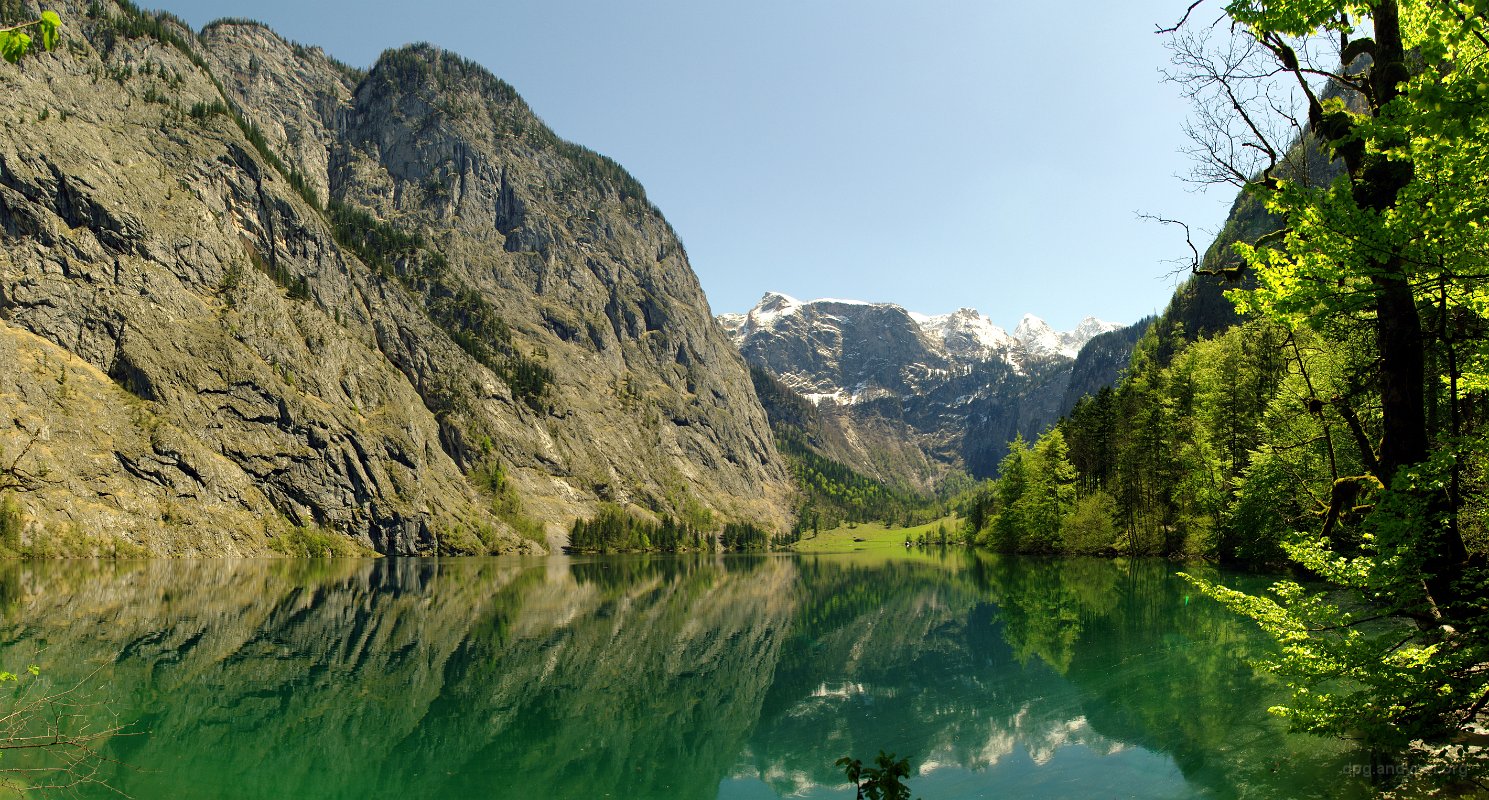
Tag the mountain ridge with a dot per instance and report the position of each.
(961, 336)
(949, 390)
(386, 306)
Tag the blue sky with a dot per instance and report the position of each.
(940, 154)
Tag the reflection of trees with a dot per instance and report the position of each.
(908, 657)
(1162, 670)
(967, 666)
(645, 675)
(1045, 604)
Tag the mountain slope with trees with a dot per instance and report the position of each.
(250, 292)
(1338, 423)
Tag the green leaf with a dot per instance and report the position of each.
(49, 25)
(13, 45)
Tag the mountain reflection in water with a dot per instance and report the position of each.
(661, 677)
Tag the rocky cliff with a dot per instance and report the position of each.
(939, 392)
(245, 289)
(1101, 362)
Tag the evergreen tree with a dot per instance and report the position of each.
(1048, 496)
(1013, 480)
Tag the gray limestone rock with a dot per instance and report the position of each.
(175, 234)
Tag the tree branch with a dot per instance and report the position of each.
(1182, 20)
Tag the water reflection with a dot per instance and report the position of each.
(650, 677)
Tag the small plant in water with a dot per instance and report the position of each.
(882, 782)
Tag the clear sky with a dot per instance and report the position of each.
(937, 154)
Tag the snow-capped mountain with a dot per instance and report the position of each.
(845, 351)
(1042, 341)
(965, 333)
(962, 337)
(960, 384)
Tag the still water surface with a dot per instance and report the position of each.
(738, 678)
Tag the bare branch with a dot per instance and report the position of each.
(1188, 239)
(56, 744)
(1182, 20)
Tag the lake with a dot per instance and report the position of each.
(731, 677)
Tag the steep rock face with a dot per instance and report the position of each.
(946, 391)
(845, 351)
(1102, 361)
(269, 372)
(883, 448)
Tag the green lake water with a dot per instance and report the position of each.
(735, 677)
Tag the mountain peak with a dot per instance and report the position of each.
(1091, 327)
(965, 333)
(771, 307)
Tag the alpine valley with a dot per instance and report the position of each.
(254, 299)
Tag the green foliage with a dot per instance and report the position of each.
(1026, 509)
(1013, 480)
(1173, 443)
(836, 493)
(742, 537)
(16, 41)
(302, 542)
(1334, 451)
(12, 523)
(1090, 528)
(883, 781)
(615, 530)
(1049, 495)
(462, 312)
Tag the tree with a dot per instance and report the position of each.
(885, 781)
(1013, 479)
(1089, 529)
(1376, 183)
(16, 40)
(1049, 494)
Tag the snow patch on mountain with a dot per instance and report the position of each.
(967, 334)
(771, 308)
(963, 335)
(1042, 341)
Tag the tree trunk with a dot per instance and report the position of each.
(1398, 326)
(1398, 333)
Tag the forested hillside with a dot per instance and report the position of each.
(812, 439)
(1335, 419)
